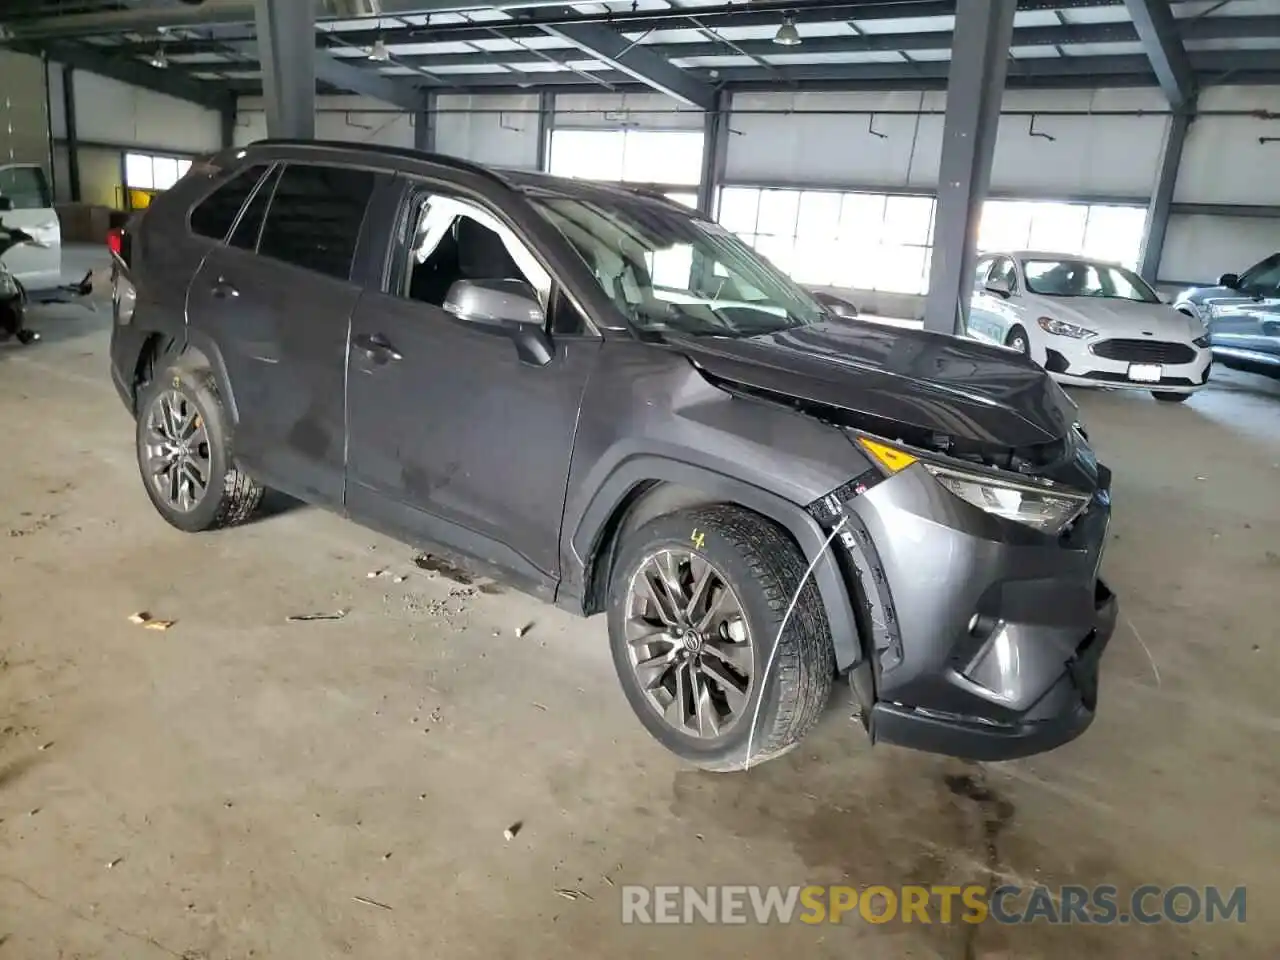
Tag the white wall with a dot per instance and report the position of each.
(613, 110)
(354, 118)
(499, 130)
(1109, 151)
(111, 112)
(1093, 155)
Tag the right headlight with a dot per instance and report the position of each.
(1060, 328)
(1048, 509)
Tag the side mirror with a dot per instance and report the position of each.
(838, 306)
(999, 286)
(504, 307)
(6, 205)
(1229, 280)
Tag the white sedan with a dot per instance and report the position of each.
(1089, 323)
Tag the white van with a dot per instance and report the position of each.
(30, 208)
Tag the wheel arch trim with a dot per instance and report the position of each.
(603, 516)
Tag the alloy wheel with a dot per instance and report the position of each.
(176, 451)
(688, 643)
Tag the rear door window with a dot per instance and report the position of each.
(215, 214)
(249, 226)
(315, 217)
(25, 187)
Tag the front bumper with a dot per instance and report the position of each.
(1075, 363)
(987, 634)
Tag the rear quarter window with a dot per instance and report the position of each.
(214, 215)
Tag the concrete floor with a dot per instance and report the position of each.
(226, 788)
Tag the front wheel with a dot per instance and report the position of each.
(184, 454)
(1165, 396)
(697, 601)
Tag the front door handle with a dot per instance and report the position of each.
(376, 346)
(224, 290)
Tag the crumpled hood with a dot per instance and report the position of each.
(1122, 318)
(929, 381)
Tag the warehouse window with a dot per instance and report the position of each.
(149, 171)
(872, 241)
(669, 158)
(1100, 231)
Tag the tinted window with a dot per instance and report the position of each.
(315, 218)
(249, 226)
(26, 187)
(214, 215)
(1262, 280)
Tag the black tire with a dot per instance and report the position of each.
(763, 568)
(231, 501)
(1016, 334)
(1165, 396)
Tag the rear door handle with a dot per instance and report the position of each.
(224, 290)
(376, 345)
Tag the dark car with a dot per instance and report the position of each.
(618, 406)
(1243, 316)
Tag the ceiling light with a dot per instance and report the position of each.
(159, 60)
(379, 51)
(787, 35)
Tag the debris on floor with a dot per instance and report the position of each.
(308, 617)
(523, 629)
(511, 831)
(433, 564)
(148, 622)
(569, 894)
(371, 903)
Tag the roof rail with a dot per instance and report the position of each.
(406, 153)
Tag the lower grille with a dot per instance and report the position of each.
(1144, 351)
(1122, 378)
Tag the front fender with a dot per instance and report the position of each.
(587, 534)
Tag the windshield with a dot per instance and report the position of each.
(1080, 278)
(668, 271)
(1262, 279)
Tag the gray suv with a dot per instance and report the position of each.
(618, 406)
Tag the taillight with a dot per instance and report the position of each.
(115, 241)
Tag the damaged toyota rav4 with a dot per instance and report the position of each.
(611, 402)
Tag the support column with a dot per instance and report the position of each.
(975, 87)
(72, 140)
(715, 151)
(227, 117)
(424, 125)
(546, 117)
(1162, 196)
(286, 47)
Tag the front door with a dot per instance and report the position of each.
(454, 436)
(277, 300)
(1250, 324)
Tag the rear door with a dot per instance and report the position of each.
(38, 267)
(454, 437)
(277, 300)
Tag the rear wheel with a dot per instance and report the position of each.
(696, 602)
(185, 454)
(1165, 396)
